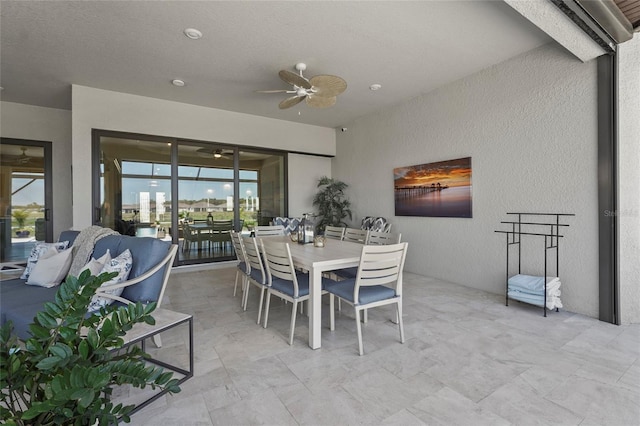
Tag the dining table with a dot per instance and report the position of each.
(335, 254)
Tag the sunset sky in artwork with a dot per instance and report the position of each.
(449, 173)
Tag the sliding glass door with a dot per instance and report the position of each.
(191, 193)
(25, 197)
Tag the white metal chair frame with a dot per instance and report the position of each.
(334, 232)
(379, 266)
(257, 275)
(269, 230)
(356, 235)
(280, 265)
(383, 238)
(238, 246)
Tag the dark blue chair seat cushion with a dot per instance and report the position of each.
(286, 286)
(347, 273)
(368, 294)
(242, 266)
(257, 276)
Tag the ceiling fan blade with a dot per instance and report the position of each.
(295, 79)
(289, 102)
(328, 85)
(320, 101)
(276, 91)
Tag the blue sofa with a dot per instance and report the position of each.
(152, 261)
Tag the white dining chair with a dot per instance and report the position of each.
(257, 274)
(269, 230)
(378, 282)
(355, 235)
(284, 281)
(243, 268)
(334, 232)
(381, 238)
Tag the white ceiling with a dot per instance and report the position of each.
(138, 47)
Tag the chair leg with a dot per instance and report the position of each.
(266, 309)
(359, 327)
(292, 327)
(400, 323)
(260, 306)
(235, 284)
(365, 318)
(245, 299)
(157, 340)
(332, 314)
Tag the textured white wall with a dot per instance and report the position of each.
(304, 172)
(107, 110)
(629, 179)
(45, 124)
(529, 125)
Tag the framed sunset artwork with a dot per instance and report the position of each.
(441, 189)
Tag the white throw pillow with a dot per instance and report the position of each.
(122, 265)
(51, 268)
(38, 250)
(95, 265)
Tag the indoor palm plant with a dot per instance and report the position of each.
(64, 373)
(332, 203)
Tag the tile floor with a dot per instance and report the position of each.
(467, 360)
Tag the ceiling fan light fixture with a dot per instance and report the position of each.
(217, 154)
(177, 82)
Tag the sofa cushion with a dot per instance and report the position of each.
(68, 235)
(38, 250)
(120, 264)
(147, 253)
(51, 270)
(19, 303)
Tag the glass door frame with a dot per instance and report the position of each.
(97, 134)
(48, 178)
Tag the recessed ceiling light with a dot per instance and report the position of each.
(178, 83)
(375, 87)
(193, 34)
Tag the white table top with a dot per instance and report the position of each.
(335, 254)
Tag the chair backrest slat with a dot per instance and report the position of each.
(267, 230)
(355, 235)
(334, 232)
(381, 265)
(279, 263)
(238, 246)
(253, 256)
(383, 238)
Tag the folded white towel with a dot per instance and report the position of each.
(538, 300)
(533, 284)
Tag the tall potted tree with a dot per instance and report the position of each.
(332, 203)
(64, 373)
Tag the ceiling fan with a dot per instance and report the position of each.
(214, 153)
(319, 91)
(22, 158)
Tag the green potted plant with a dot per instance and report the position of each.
(64, 373)
(21, 217)
(332, 203)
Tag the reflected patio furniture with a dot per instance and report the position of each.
(220, 233)
(195, 234)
